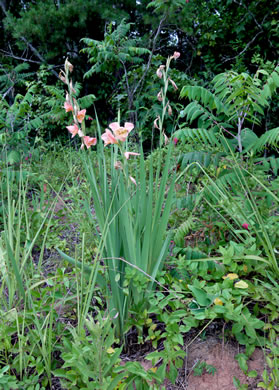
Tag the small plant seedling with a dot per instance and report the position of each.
(202, 366)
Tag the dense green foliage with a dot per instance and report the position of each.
(128, 36)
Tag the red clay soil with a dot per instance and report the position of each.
(220, 356)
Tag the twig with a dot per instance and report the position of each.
(243, 51)
(38, 55)
(151, 54)
(7, 54)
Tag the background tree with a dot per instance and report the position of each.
(212, 36)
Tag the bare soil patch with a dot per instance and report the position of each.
(222, 357)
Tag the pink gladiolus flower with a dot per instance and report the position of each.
(245, 226)
(109, 138)
(121, 133)
(175, 140)
(128, 154)
(68, 107)
(73, 129)
(81, 115)
(88, 141)
(80, 133)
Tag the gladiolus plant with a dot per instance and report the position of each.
(132, 211)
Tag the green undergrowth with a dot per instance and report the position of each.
(216, 271)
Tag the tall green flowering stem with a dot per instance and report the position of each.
(132, 215)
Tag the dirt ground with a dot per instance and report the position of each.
(220, 355)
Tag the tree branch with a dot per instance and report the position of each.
(151, 54)
(3, 5)
(243, 51)
(38, 55)
(7, 54)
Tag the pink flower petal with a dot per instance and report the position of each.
(80, 133)
(133, 180)
(129, 126)
(114, 126)
(73, 129)
(108, 138)
(89, 141)
(128, 154)
(68, 107)
(81, 115)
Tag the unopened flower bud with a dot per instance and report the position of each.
(159, 72)
(133, 180)
(159, 96)
(68, 66)
(166, 138)
(62, 76)
(169, 110)
(118, 165)
(176, 55)
(173, 84)
(72, 88)
(155, 124)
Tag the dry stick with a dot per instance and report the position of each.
(7, 54)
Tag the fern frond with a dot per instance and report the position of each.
(272, 83)
(203, 158)
(183, 230)
(195, 110)
(86, 101)
(193, 253)
(204, 96)
(199, 135)
(228, 180)
(268, 139)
